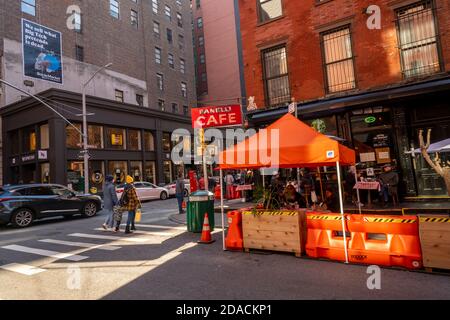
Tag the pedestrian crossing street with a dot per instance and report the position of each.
(88, 243)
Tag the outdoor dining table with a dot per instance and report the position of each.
(368, 185)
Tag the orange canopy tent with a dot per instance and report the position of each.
(287, 143)
(299, 145)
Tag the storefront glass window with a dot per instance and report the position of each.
(29, 140)
(119, 170)
(73, 137)
(166, 143)
(115, 138)
(96, 176)
(326, 125)
(149, 141)
(45, 137)
(168, 171)
(75, 174)
(136, 170)
(134, 140)
(95, 137)
(373, 139)
(45, 172)
(150, 172)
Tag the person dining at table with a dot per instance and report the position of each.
(293, 199)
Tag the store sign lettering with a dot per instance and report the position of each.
(221, 116)
(30, 157)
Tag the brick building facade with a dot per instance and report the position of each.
(149, 44)
(374, 87)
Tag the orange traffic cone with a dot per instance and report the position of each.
(206, 232)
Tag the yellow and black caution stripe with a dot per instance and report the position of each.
(435, 219)
(389, 220)
(325, 217)
(272, 213)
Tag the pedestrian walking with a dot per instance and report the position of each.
(179, 193)
(130, 202)
(109, 201)
(229, 181)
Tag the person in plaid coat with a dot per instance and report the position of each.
(130, 202)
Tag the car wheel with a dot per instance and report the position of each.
(90, 209)
(163, 195)
(22, 218)
(186, 193)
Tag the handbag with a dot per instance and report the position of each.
(138, 215)
(118, 212)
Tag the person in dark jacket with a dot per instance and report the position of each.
(389, 184)
(109, 201)
(179, 192)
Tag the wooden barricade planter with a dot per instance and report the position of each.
(279, 230)
(435, 241)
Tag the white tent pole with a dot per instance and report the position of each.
(341, 201)
(357, 191)
(222, 210)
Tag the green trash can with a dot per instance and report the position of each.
(200, 202)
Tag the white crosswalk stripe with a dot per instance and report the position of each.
(154, 226)
(81, 244)
(45, 253)
(114, 238)
(149, 233)
(22, 269)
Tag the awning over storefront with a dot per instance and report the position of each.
(440, 146)
(336, 104)
(295, 143)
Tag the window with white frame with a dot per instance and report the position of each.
(168, 13)
(171, 61)
(29, 7)
(158, 55)
(155, 6)
(160, 81)
(269, 9)
(184, 90)
(182, 66)
(134, 18)
(156, 29)
(114, 9)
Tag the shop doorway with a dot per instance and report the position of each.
(28, 173)
(429, 182)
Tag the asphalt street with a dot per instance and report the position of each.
(76, 259)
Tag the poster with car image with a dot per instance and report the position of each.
(42, 52)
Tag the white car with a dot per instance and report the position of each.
(146, 191)
(172, 187)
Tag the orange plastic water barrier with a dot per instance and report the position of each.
(234, 239)
(324, 236)
(385, 240)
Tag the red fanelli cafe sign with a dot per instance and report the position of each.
(219, 116)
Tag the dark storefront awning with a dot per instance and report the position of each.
(336, 104)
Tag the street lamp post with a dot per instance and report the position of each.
(85, 129)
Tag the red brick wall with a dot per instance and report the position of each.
(377, 61)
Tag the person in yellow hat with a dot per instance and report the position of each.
(130, 202)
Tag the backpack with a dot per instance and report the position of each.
(124, 198)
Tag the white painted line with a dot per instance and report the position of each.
(156, 233)
(96, 236)
(154, 226)
(81, 244)
(22, 269)
(45, 253)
